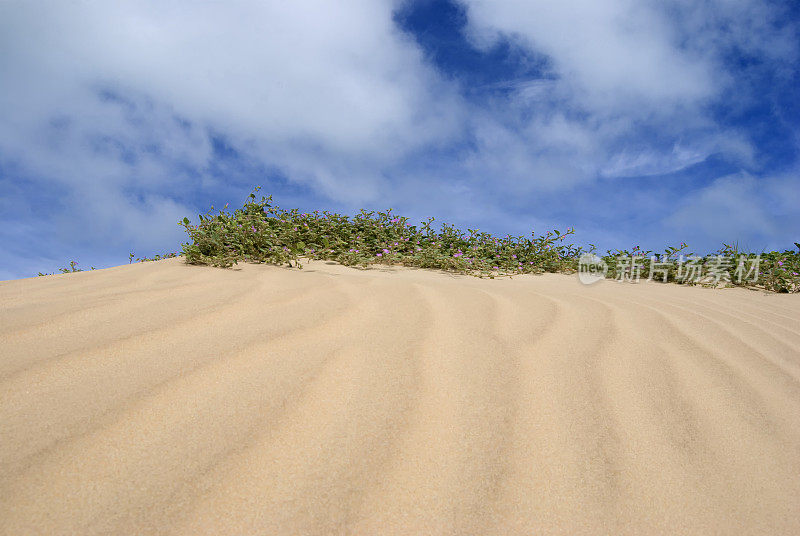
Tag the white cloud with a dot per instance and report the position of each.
(627, 86)
(647, 162)
(611, 55)
(113, 102)
(281, 78)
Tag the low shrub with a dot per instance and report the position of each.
(262, 232)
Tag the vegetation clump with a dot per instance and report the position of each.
(262, 232)
(73, 265)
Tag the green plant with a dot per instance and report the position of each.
(261, 232)
(73, 267)
(264, 233)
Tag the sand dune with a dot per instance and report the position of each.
(161, 398)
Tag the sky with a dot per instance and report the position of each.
(637, 122)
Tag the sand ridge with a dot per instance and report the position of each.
(160, 398)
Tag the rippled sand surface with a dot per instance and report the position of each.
(161, 398)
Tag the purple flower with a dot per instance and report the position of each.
(780, 263)
(379, 254)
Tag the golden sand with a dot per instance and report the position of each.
(160, 398)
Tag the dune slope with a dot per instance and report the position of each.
(162, 398)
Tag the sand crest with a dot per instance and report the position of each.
(160, 398)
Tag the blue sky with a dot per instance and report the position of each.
(637, 122)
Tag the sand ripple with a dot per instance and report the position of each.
(161, 398)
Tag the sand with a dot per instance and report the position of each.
(160, 398)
